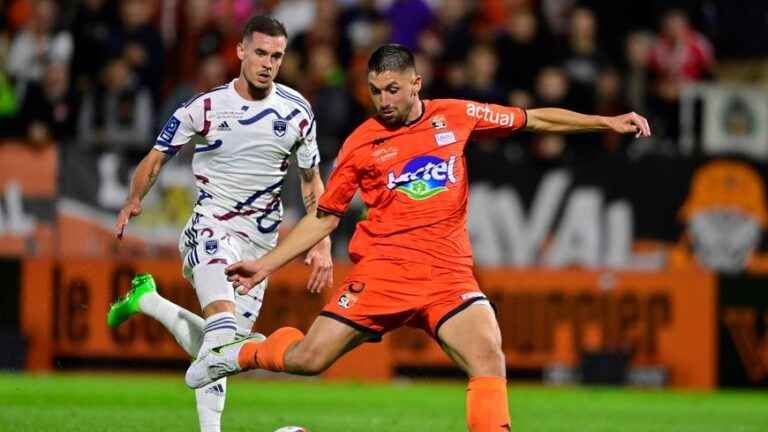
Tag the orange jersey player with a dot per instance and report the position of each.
(413, 179)
(413, 261)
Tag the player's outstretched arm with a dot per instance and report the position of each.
(143, 179)
(244, 275)
(558, 120)
(319, 257)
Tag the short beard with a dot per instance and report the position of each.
(257, 92)
(398, 120)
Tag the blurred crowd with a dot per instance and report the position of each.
(104, 75)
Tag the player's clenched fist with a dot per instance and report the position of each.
(128, 211)
(245, 275)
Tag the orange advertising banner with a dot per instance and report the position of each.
(549, 317)
(546, 317)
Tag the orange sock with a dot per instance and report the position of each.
(269, 354)
(487, 406)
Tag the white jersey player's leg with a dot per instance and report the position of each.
(185, 326)
(209, 249)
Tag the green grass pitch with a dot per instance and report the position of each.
(117, 403)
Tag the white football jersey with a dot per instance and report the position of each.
(240, 167)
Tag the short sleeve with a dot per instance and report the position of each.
(495, 120)
(307, 154)
(342, 184)
(178, 130)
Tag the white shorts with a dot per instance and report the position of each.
(206, 248)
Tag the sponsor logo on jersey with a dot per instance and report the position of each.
(487, 113)
(279, 127)
(445, 138)
(226, 114)
(223, 126)
(423, 177)
(211, 246)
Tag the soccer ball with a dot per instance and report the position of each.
(292, 429)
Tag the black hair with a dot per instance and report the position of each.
(391, 57)
(265, 25)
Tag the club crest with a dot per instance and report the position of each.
(279, 127)
(211, 246)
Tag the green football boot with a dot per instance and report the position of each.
(124, 308)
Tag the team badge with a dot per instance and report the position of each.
(211, 246)
(438, 122)
(279, 127)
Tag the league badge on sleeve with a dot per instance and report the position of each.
(279, 127)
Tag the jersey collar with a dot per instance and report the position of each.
(417, 119)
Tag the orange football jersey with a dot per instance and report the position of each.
(413, 179)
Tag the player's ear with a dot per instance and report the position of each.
(240, 51)
(416, 87)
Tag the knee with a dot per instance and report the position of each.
(487, 360)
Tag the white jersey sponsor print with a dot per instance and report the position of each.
(240, 167)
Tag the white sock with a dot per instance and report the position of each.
(186, 327)
(210, 405)
(219, 329)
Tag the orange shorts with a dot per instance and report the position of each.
(381, 295)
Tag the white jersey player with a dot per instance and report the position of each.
(252, 128)
(239, 170)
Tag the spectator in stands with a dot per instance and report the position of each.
(552, 89)
(336, 111)
(325, 31)
(582, 59)
(679, 57)
(40, 42)
(426, 70)
(91, 31)
(496, 14)
(481, 85)
(556, 15)
(364, 27)
(636, 72)
(5, 31)
(449, 38)
(140, 44)
(18, 13)
(117, 117)
(207, 30)
(49, 111)
(211, 73)
(296, 15)
(522, 52)
(610, 101)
